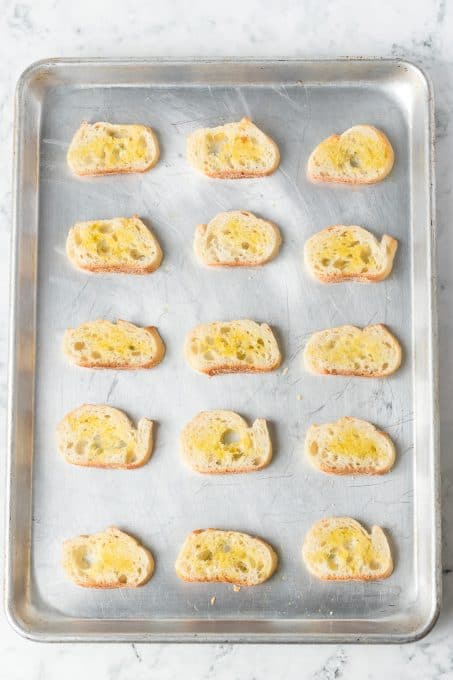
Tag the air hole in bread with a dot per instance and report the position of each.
(122, 578)
(230, 437)
(314, 448)
(79, 345)
(375, 565)
(95, 355)
(205, 555)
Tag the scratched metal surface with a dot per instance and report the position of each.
(298, 104)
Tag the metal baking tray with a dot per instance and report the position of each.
(298, 103)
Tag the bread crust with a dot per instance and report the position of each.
(227, 579)
(376, 536)
(159, 355)
(315, 176)
(108, 585)
(321, 465)
(112, 171)
(387, 242)
(362, 374)
(235, 174)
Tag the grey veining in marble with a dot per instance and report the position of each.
(421, 31)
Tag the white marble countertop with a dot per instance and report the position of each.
(421, 31)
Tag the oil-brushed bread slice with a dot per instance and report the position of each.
(361, 155)
(219, 442)
(340, 549)
(96, 435)
(236, 239)
(233, 151)
(241, 346)
(349, 253)
(104, 149)
(349, 446)
(371, 352)
(122, 245)
(225, 556)
(108, 559)
(120, 345)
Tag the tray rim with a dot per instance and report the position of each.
(12, 615)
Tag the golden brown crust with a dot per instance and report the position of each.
(225, 368)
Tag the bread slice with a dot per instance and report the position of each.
(120, 345)
(225, 556)
(340, 549)
(220, 442)
(123, 245)
(349, 253)
(371, 352)
(361, 155)
(105, 149)
(236, 239)
(95, 435)
(233, 151)
(232, 347)
(349, 446)
(108, 559)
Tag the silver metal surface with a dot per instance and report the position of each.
(298, 103)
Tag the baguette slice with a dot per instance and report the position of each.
(236, 239)
(220, 442)
(123, 245)
(371, 352)
(233, 151)
(232, 347)
(340, 549)
(349, 253)
(225, 556)
(108, 559)
(349, 446)
(95, 435)
(105, 149)
(361, 155)
(120, 345)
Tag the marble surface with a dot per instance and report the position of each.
(421, 31)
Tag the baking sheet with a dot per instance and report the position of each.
(297, 103)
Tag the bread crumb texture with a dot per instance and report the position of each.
(339, 253)
(104, 344)
(222, 347)
(361, 155)
(349, 446)
(225, 556)
(222, 442)
(122, 244)
(109, 559)
(236, 238)
(104, 148)
(233, 151)
(96, 435)
(339, 548)
(346, 350)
